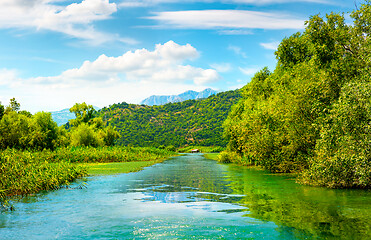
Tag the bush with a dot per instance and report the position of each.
(84, 135)
(228, 157)
(170, 148)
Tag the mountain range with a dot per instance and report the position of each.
(63, 116)
(188, 95)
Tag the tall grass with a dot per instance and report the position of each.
(25, 172)
(103, 154)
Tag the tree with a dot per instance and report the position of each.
(2, 109)
(311, 112)
(44, 131)
(14, 131)
(83, 112)
(85, 135)
(343, 153)
(13, 106)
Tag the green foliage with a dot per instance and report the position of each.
(25, 172)
(117, 167)
(24, 131)
(228, 157)
(44, 131)
(170, 148)
(203, 149)
(2, 109)
(14, 130)
(83, 112)
(343, 153)
(84, 135)
(13, 106)
(88, 130)
(283, 121)
(102, 154)
(192, 122)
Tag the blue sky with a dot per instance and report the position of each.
(54, 53)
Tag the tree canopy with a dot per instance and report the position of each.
(192, 122)
(21, 130)
(312, 114)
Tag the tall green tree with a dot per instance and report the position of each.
(322, 77)
(83, 112)
(343, 152)
(2, 109)
(89, 130)
(13, 106)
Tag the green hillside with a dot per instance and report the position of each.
(192, 122)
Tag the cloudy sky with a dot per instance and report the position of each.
(54, 53)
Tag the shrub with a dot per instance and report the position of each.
(228, 157)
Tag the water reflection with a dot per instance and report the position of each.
(322, 213)
(189, 197)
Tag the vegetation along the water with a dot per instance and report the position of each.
(192, 122)
(37, 155)
(312, 114)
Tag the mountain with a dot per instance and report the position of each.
(191, 122)
(188, 95)
(63, 116)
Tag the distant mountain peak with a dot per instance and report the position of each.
(187, 95)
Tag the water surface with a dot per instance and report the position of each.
(190, 197)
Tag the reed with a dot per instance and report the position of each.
(25, 172)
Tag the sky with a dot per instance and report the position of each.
(55, 53)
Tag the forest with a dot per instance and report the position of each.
(312, 114)
(192, 122)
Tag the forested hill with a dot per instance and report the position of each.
(192, 122)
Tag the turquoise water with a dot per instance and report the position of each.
(190, 197)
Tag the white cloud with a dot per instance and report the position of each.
(249, 71)
(146, 3)
(74, 20)
(270, 45)
(235, 32)
(221, 67)
(229, 19)
(130, 77)
(7, 77)
(161, 65)
(237, 50)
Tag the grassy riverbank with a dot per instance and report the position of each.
(212, 156)
(117, 167)
(25, 172)
(202, 149)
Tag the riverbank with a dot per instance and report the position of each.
(211, 156)
(117, 167)
(26, 172)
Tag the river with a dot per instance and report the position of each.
(190, 197)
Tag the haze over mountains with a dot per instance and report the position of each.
(63, 116)
(188, 95)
